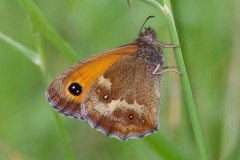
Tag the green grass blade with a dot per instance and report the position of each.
(187, 93)
(152, 3)
(30, 54)
(45, 29)
(68, 152)
(164, 148)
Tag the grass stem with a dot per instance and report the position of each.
(186, 89)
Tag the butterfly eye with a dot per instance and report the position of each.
(75, 89)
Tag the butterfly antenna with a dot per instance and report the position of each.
(131, 12)
(146, 22)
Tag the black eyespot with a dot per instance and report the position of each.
(75, 89)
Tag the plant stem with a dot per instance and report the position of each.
(68, 152)
(187, 93)
(43, 67)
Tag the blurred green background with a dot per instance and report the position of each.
(209, 32)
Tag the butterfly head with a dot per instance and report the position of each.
(148, 36)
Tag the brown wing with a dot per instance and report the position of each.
(83, 74)
(123, 102)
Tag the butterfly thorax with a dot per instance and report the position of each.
(149, 49)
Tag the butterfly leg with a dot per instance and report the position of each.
(167, 45)
(165, 67)
(166, 70)
(169, 70)
(156, 69)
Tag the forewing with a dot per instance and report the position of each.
(83, 73)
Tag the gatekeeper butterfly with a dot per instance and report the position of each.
(117, 91)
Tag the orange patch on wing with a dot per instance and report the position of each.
(88, 71)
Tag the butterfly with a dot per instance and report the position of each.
(117, 91)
